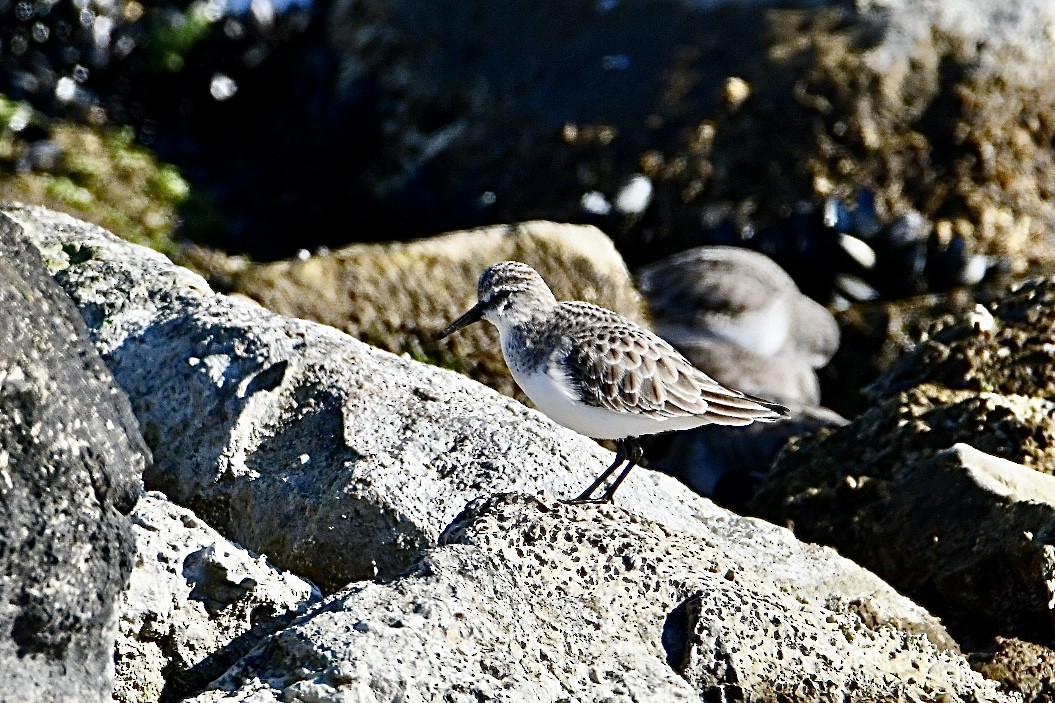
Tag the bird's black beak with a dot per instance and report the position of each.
(474, 315)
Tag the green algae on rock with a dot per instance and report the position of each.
(98, 174)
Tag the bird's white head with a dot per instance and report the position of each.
(509, 293)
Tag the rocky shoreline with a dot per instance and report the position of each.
(423, 505)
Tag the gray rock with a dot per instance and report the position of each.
(738, 107)
(530, 600)
(885, 492)
(70, 464)
(948, 527)
(340, 461)
(195, 603)
(1020, 666)
(977, 533)
(336, 459)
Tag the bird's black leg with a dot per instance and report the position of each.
(620, 457)
(631, 449)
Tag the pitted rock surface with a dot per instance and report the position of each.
(1024, 667)
(338, 460)
(985, 380)
(534, 600)
(195, 603)
(1007, 348)
(938, 106)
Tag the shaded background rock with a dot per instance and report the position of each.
(740, 107)
(878, 491)
(1007, 352)
(103, 176)
(596, 603)
(70, 464)
(736, 121)
(1022, 667)
(195, 604)
(876, 334)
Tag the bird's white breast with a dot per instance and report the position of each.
(553, 395)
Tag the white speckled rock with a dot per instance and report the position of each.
(530, 600)
(195, 603)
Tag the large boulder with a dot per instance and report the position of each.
(500, 111)
(336, 459)
(1024, 667)
(70, 464)
(876, 334)
(527, 599)
(340, 461)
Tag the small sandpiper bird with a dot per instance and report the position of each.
(598, 373)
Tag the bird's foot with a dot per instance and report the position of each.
(586, 500)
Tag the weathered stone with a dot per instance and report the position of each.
(750, 107)
(1007, 348)
(342, 461)
(973, 536)
(1023, 667)
(70, 464)
(195, 604)
(876, 334)
(533, 600)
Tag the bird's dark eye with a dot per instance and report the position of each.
(499, 296)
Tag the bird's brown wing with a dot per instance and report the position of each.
(614, 364)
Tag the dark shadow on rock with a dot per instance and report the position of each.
(71, 460)
(180, 685)
(676, 636)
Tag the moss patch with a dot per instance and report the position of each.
(99, 175)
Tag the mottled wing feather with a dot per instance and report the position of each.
(614, 364)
